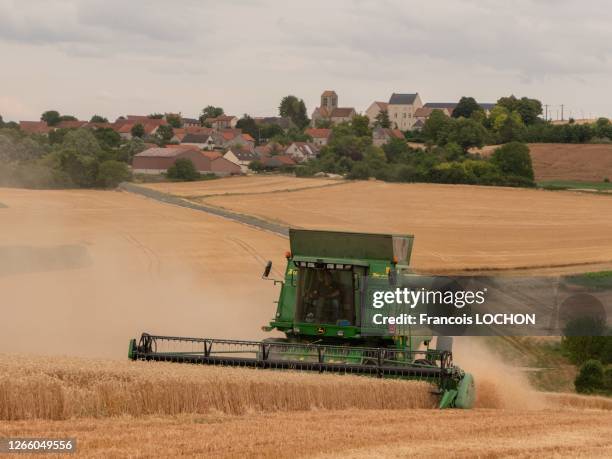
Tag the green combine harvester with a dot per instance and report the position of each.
(323, 310)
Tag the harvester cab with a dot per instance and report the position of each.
(324, 300)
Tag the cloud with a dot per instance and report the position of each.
(246, 54)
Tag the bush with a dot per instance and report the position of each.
(452, 172)
(591, 377)
(183, 169)
(513, 159)
(360, 171)
(111, 173)
(256, 166)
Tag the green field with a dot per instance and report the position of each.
(575, 185)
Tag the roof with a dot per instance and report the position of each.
(440, 105)
(190, 120)
(318, 133)
(342, 112)
(246, 136)
(423, 112)
(243, 154)
(329, 92)
(158, 152)
(72, 124)
(34, 127)
(382, 105)
(220, 118)
(212, 155)
(277, 120)
(196, 138)
(386, 132)
(402, 99)
(450, 106)
(307, 149)
(278, 161)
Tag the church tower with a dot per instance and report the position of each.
(329, 100)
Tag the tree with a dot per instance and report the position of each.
(183, 169)
(174, 120)
(164, 134)
(395, 149)
(382, 119)
(248, 125)
(467, 133)
(111, 173)
(107, 138)
(138, 130)
(129, 149)
(528, 109)
(83, 142)
(590, 378)
(210, 112)
(513, 159)
(323, 123)
(67, 118)
(1, 121)
(436, 127)
(295, 109)
(603, 128)
(155, 116)
(98, 119)
(361, 126)
(51, 117)
(466, 107)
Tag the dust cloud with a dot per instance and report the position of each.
(498, 385)
(81, 273)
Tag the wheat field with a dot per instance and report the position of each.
(62, 388)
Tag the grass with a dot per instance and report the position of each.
(594, 280)
(572, 184)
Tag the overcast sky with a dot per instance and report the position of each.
(136, 57)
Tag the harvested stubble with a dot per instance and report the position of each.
(64, 388)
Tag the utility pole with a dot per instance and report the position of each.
(561, 112)
(546, 112)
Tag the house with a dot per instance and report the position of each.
(241, 156)
(401, 109)
(222, 122)
(229, 137)
(381, 136)
(302, 151)
(329, 110)
(320, 136)
(157, 160)
(220, 165)
(190, 122)
(283, 122)
(72, 124)
(374, 110)
(269, 149)
(450, 106)
(35, 127)
(420, 124)
(201, 141)
(278, 161)
(124, 126)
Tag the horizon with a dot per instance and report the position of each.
(114, 59)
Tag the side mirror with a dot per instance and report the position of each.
(267, 269)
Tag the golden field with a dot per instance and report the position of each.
(456, 227)
(82, 272)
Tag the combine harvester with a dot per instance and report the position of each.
(323, 298)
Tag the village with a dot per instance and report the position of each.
(218, 145)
